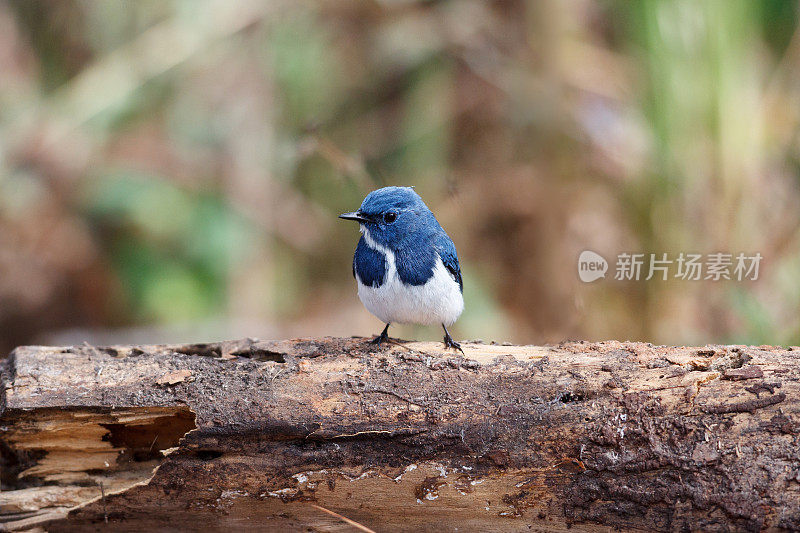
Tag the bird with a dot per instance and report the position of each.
(405, 265)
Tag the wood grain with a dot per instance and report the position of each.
(298, 434)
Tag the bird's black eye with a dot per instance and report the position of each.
(389, 217)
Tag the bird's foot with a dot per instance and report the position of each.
(383, 337)
(380, 339)
(450, 343)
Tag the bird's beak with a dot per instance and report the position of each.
(355, 215)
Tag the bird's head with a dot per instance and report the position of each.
(394, 217)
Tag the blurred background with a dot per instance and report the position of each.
(172, 170)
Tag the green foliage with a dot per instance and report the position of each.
(173, 249)
(197, 153)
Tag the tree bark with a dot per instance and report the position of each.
(336, 435)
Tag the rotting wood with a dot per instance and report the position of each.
(288, 435)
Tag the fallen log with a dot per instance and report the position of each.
(335, 434)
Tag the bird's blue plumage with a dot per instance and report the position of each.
(390, 198)
(415, 236)
(406, 265)
(415, 264)
(369, 264)
(447, 251)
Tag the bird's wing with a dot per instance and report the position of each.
(447, 251)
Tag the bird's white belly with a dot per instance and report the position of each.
(438, 301)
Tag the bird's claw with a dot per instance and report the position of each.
(450, 343)
(380, 339)
(383, 337)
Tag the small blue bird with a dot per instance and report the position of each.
(405, 264)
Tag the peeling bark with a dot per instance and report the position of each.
(290, 435)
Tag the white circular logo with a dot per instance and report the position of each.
(591, 266)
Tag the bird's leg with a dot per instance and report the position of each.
(449, 342)
(383, 337)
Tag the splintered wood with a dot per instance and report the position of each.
(334, 434)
